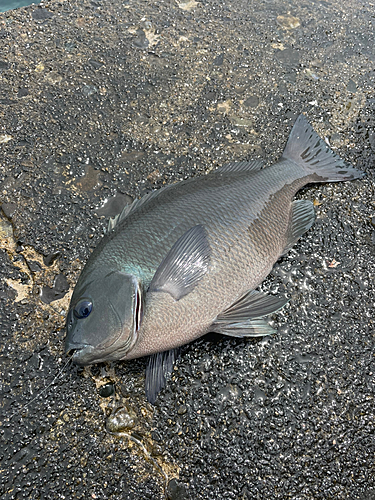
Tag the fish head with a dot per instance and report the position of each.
(104, 318)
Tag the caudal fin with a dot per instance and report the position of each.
(306, 148)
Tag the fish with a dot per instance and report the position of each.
(186, 260)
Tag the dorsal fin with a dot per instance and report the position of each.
(241, 166)
(129, 209)
(234, 166)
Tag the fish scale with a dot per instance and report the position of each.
(226, 217)
(187, 259)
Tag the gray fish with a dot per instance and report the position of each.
(185, 260)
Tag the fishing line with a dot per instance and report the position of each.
(54, 378)
(45, 388)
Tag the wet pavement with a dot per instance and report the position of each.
(101, 102)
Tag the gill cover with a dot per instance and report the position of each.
(104, 317)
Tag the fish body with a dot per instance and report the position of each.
(186, 260)
(245, 235)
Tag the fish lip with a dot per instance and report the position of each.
(72, 346)
(85, 354)
(81, 353)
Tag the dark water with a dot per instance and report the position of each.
(14, 4)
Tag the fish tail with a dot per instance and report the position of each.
(308, 150)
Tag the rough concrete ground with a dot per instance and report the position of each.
(103, 97)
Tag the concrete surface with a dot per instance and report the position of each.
(103, 97)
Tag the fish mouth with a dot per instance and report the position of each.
(86, 354)
(81, 354)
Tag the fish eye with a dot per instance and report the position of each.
(83, 308)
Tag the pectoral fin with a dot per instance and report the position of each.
(242, 319)
(159, 367)
(185, 264)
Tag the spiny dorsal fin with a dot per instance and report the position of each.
(132, 207)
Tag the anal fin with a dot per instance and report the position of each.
(243, 318)
(245, 328)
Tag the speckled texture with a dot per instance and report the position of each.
(104, 97)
